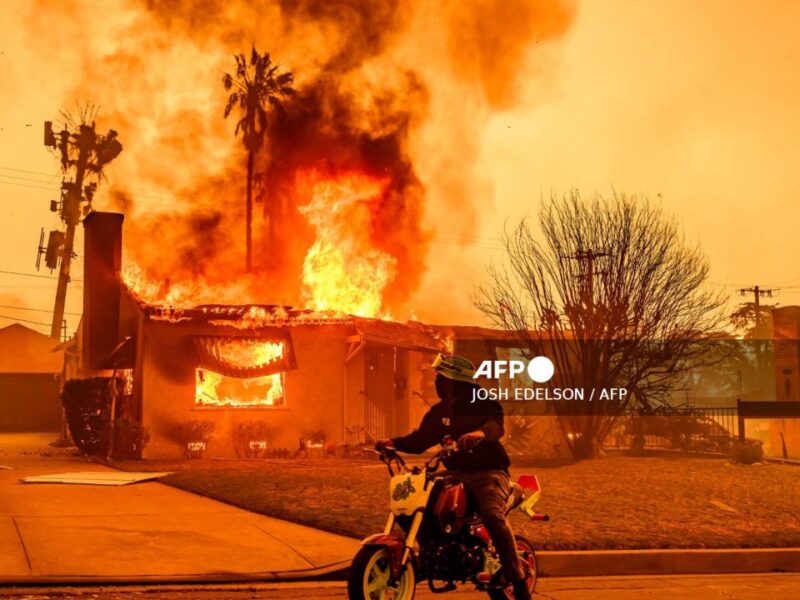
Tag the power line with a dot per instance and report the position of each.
(26, 171)
(24, 320)
(25, 285)
(29, 274)
(35, 275)
(786, 281)
(137, 191)
(35, 187)
(44, 310)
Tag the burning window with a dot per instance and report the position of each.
(216, 390)
(241, 372)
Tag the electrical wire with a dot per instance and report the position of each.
(25, 320)
(44, 310)
(29, 274)
(26, 171)
(37, 275)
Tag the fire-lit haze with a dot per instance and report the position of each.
(417, 130)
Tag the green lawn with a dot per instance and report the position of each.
(614, 502)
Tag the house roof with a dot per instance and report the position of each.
(243, 315)
(23, 350)
(411, 335)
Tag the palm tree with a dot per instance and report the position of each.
(255, 88)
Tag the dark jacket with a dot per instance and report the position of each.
(455, 419)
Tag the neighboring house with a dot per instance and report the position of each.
(786, 349)
(30, 363)
(785, 433)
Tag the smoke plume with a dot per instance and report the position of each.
(392, 92)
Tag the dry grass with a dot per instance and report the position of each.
(607, 503)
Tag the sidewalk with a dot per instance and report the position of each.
(56, 532)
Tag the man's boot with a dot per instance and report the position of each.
(521, 591)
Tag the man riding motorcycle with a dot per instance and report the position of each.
(482, 465)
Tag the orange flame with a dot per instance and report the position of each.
(343, 269)
(214, 389)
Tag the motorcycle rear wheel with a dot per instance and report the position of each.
(507, 593)
(369, 577)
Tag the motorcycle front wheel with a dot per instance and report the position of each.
(524, 548)
(369, 577)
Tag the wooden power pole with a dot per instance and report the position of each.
(758, 292)
(86, 153)
(70, 213)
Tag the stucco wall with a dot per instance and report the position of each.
(314, 391)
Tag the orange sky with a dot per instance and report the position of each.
(694, 101)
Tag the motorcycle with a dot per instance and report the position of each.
(439, 536)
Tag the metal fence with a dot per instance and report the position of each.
(708, 429)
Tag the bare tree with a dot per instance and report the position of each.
(612, 293)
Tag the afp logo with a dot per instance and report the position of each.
(540, 369)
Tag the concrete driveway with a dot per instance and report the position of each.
(139, 532)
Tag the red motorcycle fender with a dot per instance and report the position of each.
(394, 543)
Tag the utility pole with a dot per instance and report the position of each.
(70, 213)
(758, 292)
(587, 258)
(87, 153)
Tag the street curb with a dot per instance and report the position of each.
(667, 562)
(559, 563)
(331, 572)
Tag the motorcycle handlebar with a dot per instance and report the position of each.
(448, 447)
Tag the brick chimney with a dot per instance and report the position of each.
(102, 256)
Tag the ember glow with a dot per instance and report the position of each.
(216, 390)
(344, 270)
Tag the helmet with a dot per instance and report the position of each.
(456, 368)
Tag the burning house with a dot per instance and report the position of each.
(300, 371)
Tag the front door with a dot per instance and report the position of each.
(385, 410)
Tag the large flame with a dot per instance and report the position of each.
(344, 270)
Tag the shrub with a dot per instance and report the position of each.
(250, 439)
(87, 405)
(318, 436)
(747, 452)
(194, 436)
(130, 438)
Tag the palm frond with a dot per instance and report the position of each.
(257, 84)
(241, 66)
(232, 100)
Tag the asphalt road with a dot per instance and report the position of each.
(702, 587)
